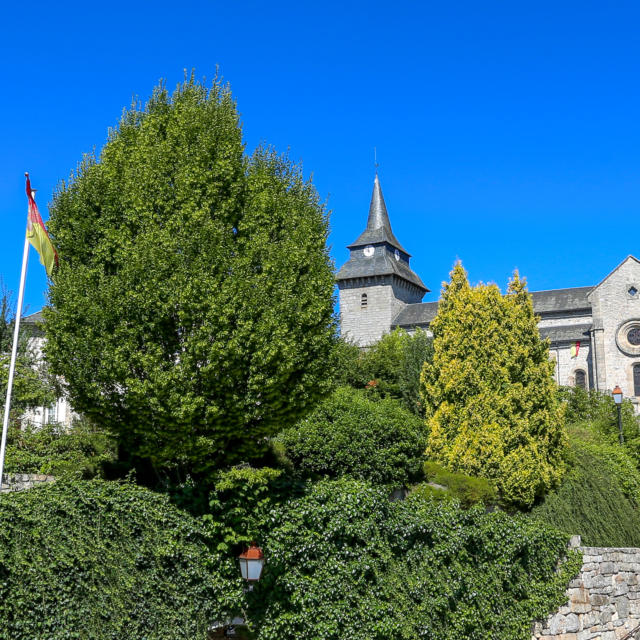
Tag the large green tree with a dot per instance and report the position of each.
(192, 312)
(490, 398)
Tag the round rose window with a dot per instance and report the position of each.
(633, 336)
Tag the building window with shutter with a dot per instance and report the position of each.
(363, 301)
(581, 379)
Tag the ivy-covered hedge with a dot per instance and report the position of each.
(345, 563)
(350, 434)
(102, 560)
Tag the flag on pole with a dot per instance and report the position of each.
(37, 233)
(575, 349)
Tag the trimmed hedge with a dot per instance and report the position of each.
(467, 489)
(351, 434)
(108, 561)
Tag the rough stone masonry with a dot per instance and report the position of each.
(603, 601)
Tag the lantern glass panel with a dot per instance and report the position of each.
(254, 569)
(244, 569)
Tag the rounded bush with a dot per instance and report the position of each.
(353, 435)
(106, 561)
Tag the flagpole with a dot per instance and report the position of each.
(14, 353)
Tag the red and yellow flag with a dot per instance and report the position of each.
(37, 233)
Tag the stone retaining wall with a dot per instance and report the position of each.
(604, 600)
(22, 481)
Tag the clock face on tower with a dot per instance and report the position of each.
(397, 254)
(368, 251)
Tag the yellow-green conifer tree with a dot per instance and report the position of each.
(489, 393)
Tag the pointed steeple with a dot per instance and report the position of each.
(377, 251)
(378, 224)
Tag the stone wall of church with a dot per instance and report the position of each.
(386, 296)
(613, 307)
(566, 366)
(364, 325)
(564, 321)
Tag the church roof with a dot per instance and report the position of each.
(561, 299)
(550, 301)
(389, 257)
(420, 313)
(566, 333)
(382, 263)
(378, 225)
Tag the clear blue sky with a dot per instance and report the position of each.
(508, 133)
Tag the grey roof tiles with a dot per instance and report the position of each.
(566, 333)
(378, 224)
(551, 301)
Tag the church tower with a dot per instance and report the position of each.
(377, 281)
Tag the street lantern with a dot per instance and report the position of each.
(251, 564)
(617, 398)
(617, 395)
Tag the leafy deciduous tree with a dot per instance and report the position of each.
(192, 311)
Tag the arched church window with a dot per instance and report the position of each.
(636, 379)
(581, 379)
(363, 301)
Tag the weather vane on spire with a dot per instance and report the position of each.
(375, 159)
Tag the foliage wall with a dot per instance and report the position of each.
(107, 561)
(345, 562)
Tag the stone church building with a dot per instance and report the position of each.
(594, 331)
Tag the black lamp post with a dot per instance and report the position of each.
(617, 398)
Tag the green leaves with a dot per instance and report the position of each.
(345, 562)
(358, 436)
(106, 561)
(490, 398)
(192, 313)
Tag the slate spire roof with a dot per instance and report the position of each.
(378, 225)
(389, 257)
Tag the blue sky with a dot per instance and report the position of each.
(508, 133)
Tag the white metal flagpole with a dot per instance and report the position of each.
(14, 353)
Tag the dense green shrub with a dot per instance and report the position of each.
(55, 450)
(599, 410)
(390, 368)
(345, 562)
(599, 497)
(354, 435)
(103, 560)
(467, 489)
(240, 501)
